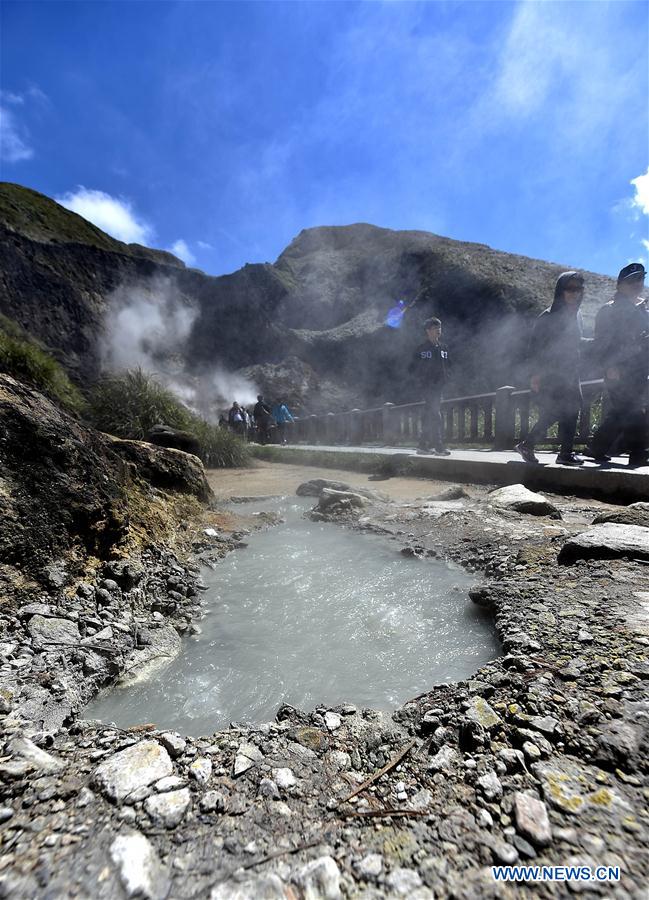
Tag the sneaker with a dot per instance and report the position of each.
(569, 459)
(526, 452)
(443, 451)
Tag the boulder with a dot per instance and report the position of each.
(635, 514)
(518, 498)
(607, 541)
(330, 497)
(166, 436)
(171, 470)
(316, 486)
(53, 631)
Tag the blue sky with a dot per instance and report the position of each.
(223, 129)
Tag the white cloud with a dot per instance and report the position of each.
(113, 215)
(641, 199)
(182, 251)
(13, 139)
(204, 245)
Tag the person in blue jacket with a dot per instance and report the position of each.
(282, 416)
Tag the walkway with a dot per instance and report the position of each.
(615, 481)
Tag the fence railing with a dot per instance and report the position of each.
(499, 419)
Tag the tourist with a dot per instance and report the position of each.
(429, 370)
(622, 351)
(554, 359)
(282, 416)
(263, 419)
(236, 420)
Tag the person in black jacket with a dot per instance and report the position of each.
(622, 349)
(429, 370)
(554, 358)
(263, 419)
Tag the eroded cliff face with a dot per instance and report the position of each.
(322, 303)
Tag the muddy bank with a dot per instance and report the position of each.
(539, 758)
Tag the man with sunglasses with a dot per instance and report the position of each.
(554, 358)
(622, 349)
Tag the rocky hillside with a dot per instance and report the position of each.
(318, 311)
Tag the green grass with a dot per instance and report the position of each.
(26, 360)
(128, 405)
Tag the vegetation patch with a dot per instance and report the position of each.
(26, 359)
(128, 405)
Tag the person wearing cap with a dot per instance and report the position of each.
(429, 370)
(622, 351)
(554, 354)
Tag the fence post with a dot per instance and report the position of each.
(505, 418)
(330, 428)
(387, 424)
(313, 429)
(356, 427)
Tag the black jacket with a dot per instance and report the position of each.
(622, 338)
(428, 368)
(555, 344)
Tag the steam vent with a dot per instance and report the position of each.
(361, 649)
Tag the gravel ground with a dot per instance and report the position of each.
(539, 759)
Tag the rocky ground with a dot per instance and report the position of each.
(540, 758)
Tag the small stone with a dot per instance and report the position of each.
(339, 760)
(266, 887)
(332, 721)
(212, 801)
(139, 867)
(6, 812)
(135, 767)
(531, 751)
(504, 853)
(485, 819)
(480, 712)
(403, 882)
(444, 760)
(173, 743)
(247, 756)
(201, 770)
(490, 786)
(531, 817)
(170, 783)
(168, 809)
(284, 778)
(27, 757)
(369, 866)
(319, 879)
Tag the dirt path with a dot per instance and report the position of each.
(264, 479)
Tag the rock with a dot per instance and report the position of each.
(369, 866)
(490, 785)
(106, 634)
(53, 631)
(332, 721)
(6, 813)
(618, 746)
(444, 760)
(247, 756)
(531, 817)
(572, 788)
(330, 497)
(607, 541)
(140, 870)
(480, 712)
(503, 852)
(266, 887)
(453, 492)
(173, 743)
(268, 789)
(403, 882)
(284, 778)
(163, 646)
(170, 783)
(545, 724)
(212, 801)
(131, 769)
(315, 487)
(168, 810)
(201, 770)
(339, 760)
(319, 879)
(313, 738)
(483, 595)
(27, 757)
(518, 498)
(635, 514)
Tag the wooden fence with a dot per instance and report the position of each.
(498, 420)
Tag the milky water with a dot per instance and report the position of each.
(312, 613)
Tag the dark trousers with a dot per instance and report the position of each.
(432, 429)
(625, 418)
(560, 405)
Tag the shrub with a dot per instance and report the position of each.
(128, 405)
(22, 357)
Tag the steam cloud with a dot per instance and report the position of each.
(147, 327)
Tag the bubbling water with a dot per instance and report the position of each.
(312, 613)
